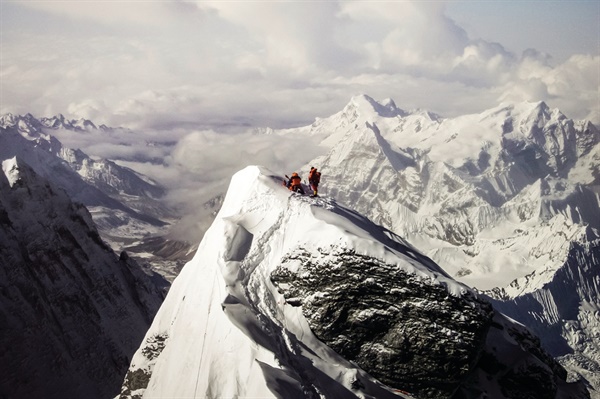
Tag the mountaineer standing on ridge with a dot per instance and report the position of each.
(314, 177)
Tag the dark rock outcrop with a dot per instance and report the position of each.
(412, 334)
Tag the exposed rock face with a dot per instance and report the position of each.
(71, 311)
(407, 332)
(411, 334)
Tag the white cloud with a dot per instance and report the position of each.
(572, 86)
(117, 13)
(212, 64)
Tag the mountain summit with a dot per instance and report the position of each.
(294, 297)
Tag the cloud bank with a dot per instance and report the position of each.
(231, 65)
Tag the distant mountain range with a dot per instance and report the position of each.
(127, 207)
(29, 122)
(99, 184)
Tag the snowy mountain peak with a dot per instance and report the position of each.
(60, 122)
(369, 108)
(18, 173)
(293, 297)
(316, 223)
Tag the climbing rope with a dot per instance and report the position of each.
(205, 331)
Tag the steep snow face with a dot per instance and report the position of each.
(71, 312)
(296, 297)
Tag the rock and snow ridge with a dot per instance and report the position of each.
(71, 311)
(297, 297)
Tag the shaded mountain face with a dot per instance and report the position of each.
(564, 313)
(128, 208)
(71, 311)
(297, 297)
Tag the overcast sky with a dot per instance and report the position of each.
(165, 64)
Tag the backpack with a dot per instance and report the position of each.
(314, 177)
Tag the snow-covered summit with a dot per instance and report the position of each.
(295, 297)
(369, 107)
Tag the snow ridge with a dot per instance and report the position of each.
(248, 316)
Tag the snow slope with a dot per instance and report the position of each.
(71, 311)
(294, 297)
